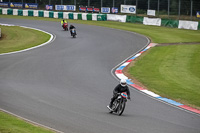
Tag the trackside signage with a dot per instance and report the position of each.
(16, 5)
(198, 14)
(49, 7)
(128, 9)
(4, 4)
(105, 9)
(31, 6)
(65, 7)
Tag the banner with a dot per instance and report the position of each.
(128, 9)
(31, 6)
(49, 7)
(119, 18)
(198, 14)
(151, 12)
(70, 7)
(4, 4)
(105, 9)
(89, 9)
(96, 10)
(192, 25)
(152, 21)
(114, 10)
(16, 5)
(65, 7)
(82, 9)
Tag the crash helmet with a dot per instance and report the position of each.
(123, 82)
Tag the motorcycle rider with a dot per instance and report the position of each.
(122, 87)
(62, 22)
(72, 27)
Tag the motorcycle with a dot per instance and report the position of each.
(119, 103)
(65, 26)
(73, 32)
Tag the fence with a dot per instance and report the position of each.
(176, 9)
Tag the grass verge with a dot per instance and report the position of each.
(11, 124)
(172, 72)
(155, 33)
(16, 38)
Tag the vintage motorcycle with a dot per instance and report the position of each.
(65, 26)
(73, 32)
(119, 103)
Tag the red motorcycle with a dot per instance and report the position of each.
(65, 26)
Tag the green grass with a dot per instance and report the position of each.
(11, 124)
(155, 33)
(172, 72)
(16, 38)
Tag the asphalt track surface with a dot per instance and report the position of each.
(67, 84)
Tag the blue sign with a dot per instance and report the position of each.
(132, 9)
(105, 10)
(49, 7)
(4, 4)
(30, 5)
(114, 10)
(59, 7)
(71, 7)
(65, 7)
(16, 5)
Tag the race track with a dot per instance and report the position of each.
(67, 84)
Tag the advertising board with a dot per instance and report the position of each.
(65, 7)
(82, 9)
(198, 14)
(114, 10)
(151, 12)
(30, 5)
(4, 4)
(128, 9)
(49, 7)
(105, 9)
(96, 10)
(89, 9)
(16, 5)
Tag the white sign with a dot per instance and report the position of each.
(151, 12)
(105, 9)
(128, 9)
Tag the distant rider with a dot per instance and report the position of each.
(63, 22)
(72, 27)
(122, 87)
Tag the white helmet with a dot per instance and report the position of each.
(123, 82)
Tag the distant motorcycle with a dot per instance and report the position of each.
(73, 32)
(65, 26)
(119, 103)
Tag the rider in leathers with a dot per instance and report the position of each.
(122, 87)
(71, 27)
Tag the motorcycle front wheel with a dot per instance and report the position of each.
(121, 107)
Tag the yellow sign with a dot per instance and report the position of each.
(198, 14)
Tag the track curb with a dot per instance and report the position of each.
(118, 73)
